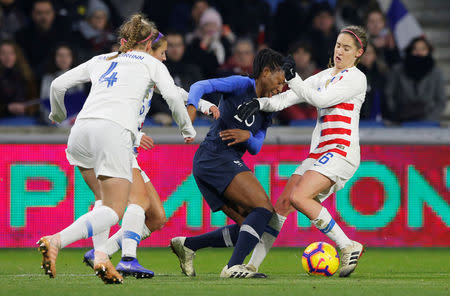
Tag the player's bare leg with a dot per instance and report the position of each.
(155, 216)
(303, 199)
(283, 208)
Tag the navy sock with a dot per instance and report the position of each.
(219, 238)
(249, 235)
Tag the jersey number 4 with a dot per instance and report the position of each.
(111, 78)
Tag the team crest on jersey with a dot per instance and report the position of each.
(336, 78)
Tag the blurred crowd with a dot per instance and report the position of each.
(41, 39)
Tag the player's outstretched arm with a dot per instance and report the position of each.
(170, 93)
(273, 104)
(349, 85)
(204, 106)
(60, 85)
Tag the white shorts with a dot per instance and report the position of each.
(336, 168)
(143, 174)
(102, 145)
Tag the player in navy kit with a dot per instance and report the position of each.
(224, 180)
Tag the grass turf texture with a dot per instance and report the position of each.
(380, 272)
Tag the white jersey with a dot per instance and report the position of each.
(338, 100)
(119, 87)
(203, 106)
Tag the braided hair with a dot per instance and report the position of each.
(135, 31)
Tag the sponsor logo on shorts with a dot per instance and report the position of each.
(238, 163)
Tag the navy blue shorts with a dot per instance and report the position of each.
(213, 172)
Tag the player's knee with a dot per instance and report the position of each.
(298, 199)
(141, 200)
(157, 221)
(283, 205)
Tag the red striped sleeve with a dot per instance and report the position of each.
(345, 119)
(334, 141)
(345, 106)
(317, 155)
(332, 131)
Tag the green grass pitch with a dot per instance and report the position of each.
(380, 272)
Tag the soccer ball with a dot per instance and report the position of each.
(320, 258)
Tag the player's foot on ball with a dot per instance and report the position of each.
(49, 249)
(107, 273)
(349, 258)
(184, 254)
(240, 271)
(89, 257)
(133, 268)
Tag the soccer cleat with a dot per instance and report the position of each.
(89, 257)
(240, 271)
(133, 268)
(107, 273)
(49, 253)
(251, 267)
(184, 254)
(349, 258)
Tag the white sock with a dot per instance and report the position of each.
(94, 222)
(99, 238)
(267, 239)
(145, 232)
(132, 224)
(114, 243)
(325, 223)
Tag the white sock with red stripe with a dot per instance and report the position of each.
(326, 224)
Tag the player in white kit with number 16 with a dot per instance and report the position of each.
(338, 93)
(101, 141)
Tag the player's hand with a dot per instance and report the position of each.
(214, 111)
(192, 111)
(248, 109)
(289, 67)
(146, 142)
(237, 135)
(188, 140)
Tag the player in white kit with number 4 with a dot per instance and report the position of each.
(145, 213)
(334, 157)
(101, 141)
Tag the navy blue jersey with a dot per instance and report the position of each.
(235, 91)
